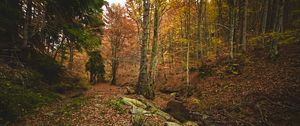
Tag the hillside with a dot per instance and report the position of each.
(264, 93)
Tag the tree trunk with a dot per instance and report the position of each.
(244, 29)
(265, 19)
(232, 27)
(63, 52)
(199, 28)
(219, 21)
(154, 60)
(143, 86)
(205, 29)
(27, 22)
(115, 64)
(220, 16)
(187, 36)
(277, 26)
(71, 58)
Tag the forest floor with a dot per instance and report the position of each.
(264, 93)
(95, 107)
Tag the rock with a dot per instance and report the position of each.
(173, 94)
(190, 123)
(134, 102)
(172, 124)
(129, 91)
(138, 119)
(178, 110)
(139, 111)
(145, 108)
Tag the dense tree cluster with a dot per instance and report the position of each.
(196, 31)
(50, 27)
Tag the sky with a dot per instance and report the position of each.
(122, 2)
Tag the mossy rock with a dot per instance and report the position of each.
(233, 69)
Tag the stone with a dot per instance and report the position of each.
(190, 123)
(172, 124)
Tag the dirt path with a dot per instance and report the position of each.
(96, 107)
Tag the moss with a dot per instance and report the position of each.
(48, 67)
(233, 69)
(117, 105)
(17, 100)
(62, 87)
(74, 105)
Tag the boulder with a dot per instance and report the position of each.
(129, 90)
(142, 108)
(172, 124)
(190, 123)
(177, 109)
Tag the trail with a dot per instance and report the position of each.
(93, 108)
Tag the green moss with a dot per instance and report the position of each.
(233, 69)
(74, 105)
(117, 105)
(17, 100)
(48, 67)
(62, 87)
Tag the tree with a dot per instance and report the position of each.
(199, 28)
(95, 66)
(154, 53)
(187, 37)
(277, 25)
(244, 26)
(143, 87)
(232, 4)
(119, 29)
(265, 18)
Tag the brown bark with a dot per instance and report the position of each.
(143, 86)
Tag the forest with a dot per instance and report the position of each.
(149, 62)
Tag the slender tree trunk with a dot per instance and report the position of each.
(27, 22)
(220, 11)
(143, 86)
(199, 28)
(63, 52)
(244, 31)
(232, 27)
(205, 29)
(71, 58)
(219, 21)
(187, 36)
(115, 64)
(265, 19)
(154, 60)
(61, 45)
(277, 26)
(281, 14)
